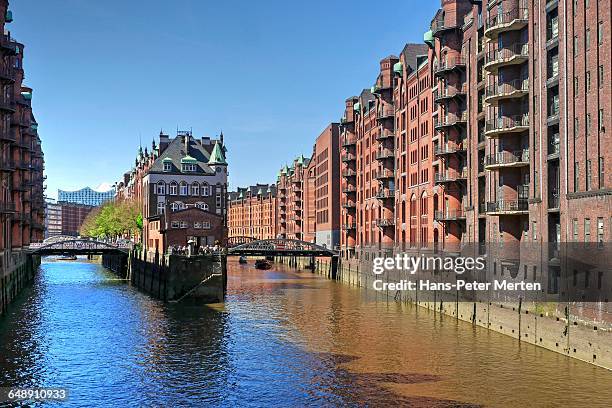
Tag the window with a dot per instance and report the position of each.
(600, 76)
(161, 188)
(188, 167)
(205, 190)
(576, 176)
(600, 34)
(588, 175)
(173, 188)
(197, 225)
(167, 166)
(175, 224)
(587, 230)
(206, 224)
(183, 189)
(202, 206)
(575, 229)
(587, 39)
(183, 224)
(534, 230)
(195, 189)
(601, 120)
(161, 207)
(601, 172)
(576, 47)
(600, 230)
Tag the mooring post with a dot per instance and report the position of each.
(334, 267)
(224, 272)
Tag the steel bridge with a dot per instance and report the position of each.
(280, 247)
(66, 245)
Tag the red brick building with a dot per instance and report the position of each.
(296, 200)
(72, 217)
(253, 212)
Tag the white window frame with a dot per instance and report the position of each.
(160, 188)
(185, 186)
(195, 189)
(167, 166)
(205, 190)
(205, 224)
(161, 207)
(173, 188)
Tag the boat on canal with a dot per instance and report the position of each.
(263, 264)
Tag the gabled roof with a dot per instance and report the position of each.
(175, 152)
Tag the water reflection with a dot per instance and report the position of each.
(282, 338)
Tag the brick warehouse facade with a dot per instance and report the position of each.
(21, 167)
(253, 212)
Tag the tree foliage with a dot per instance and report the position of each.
(113, 219)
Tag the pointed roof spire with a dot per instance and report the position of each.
(217, 156)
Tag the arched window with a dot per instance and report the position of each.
(161, 188)
(161, 207)
(205, 190)
(183, 188)
(173, 188)
(195, 189)
(201, 205)
(424, 204)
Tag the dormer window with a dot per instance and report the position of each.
(188, 168)
(167, 164)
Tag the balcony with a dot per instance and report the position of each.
(349, 141)
(7, 135)
(449, 148)
(349, 173)
(449, 65)
(349, 226)
(384, 174)
(507, 159)
(379, 87)
(384, 135)
(348, 157)
(349, 204)
(507, 125)
(507, 90)
(349, 189)
(7, 164)
(553, 200)
(449, 215)
(22, 165)
(512, 20)
(554, 147)
(508, 207)
(451, 176)
(7, 74)
(7, 104)
(385, 154)
(9, 44)
(450, 120)
(384, 222)
(450, 93)
(439, 27)
(386, 112)
(6, 207)
(385, 194)
(514, 54)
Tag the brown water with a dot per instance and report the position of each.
(283, 338)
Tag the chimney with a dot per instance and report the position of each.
(186, 140)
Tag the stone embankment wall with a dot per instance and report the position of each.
(17, 269)
(173, 277)
(578, 330)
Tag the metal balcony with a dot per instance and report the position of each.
(385, 194)
(9, 44)
(349, 226)
(507, 125)
(508, 207)
(349, 204)
(7, 164)
(450, 93)
(440, 27)
(7, 207)
(507, 159)
(384, 174)
(451, 176)
(385, 154)
(349, 141)
(507, 90)
(384, 135)
(450, 120)
(449, 215)
(387, 112)
(385, 222)
(514, 54)
(349, 189)
(7, 74)
(449, 148)
(512, 20)
(348, 157)
(7, 104)
(349, 173)
(449, 65)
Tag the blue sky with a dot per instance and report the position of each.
(270, 74)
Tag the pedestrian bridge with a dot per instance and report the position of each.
(66, 245)
(280, 247)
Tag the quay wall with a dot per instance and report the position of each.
(577, 330)
(17, 269)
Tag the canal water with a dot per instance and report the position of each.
(283, 338)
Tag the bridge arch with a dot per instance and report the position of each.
(63, 245)
(280, 247)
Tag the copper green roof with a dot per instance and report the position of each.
(397, 68)
(357, 107)
(217, 156)
(428, 38)
(167, 159)
(300, 159)
(9, 16)
(27, 95)
(241, 195)
(189, 160)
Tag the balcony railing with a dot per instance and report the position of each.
(349, 189)
(348, 204)
(507, 124)
(449, 148)
(385, 112)
(348, 157)
(450, 120)
(449, 215)
(349, 141)
(449, 64)
(349, 173)
(553, 199)
(385, 194)
(7, 104)
(8, 43)
(7, 164)
(508, 159)
(385, 154)
(383, 174)
(385, 134)
(514, 54)
(451, 176)
(450, 92)
(7, 207)
(506, 90)
(385, 222)
(554, 146)
(514, 19)
(440, 26)
(508, 206)
(7, 73)
(349, 226)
